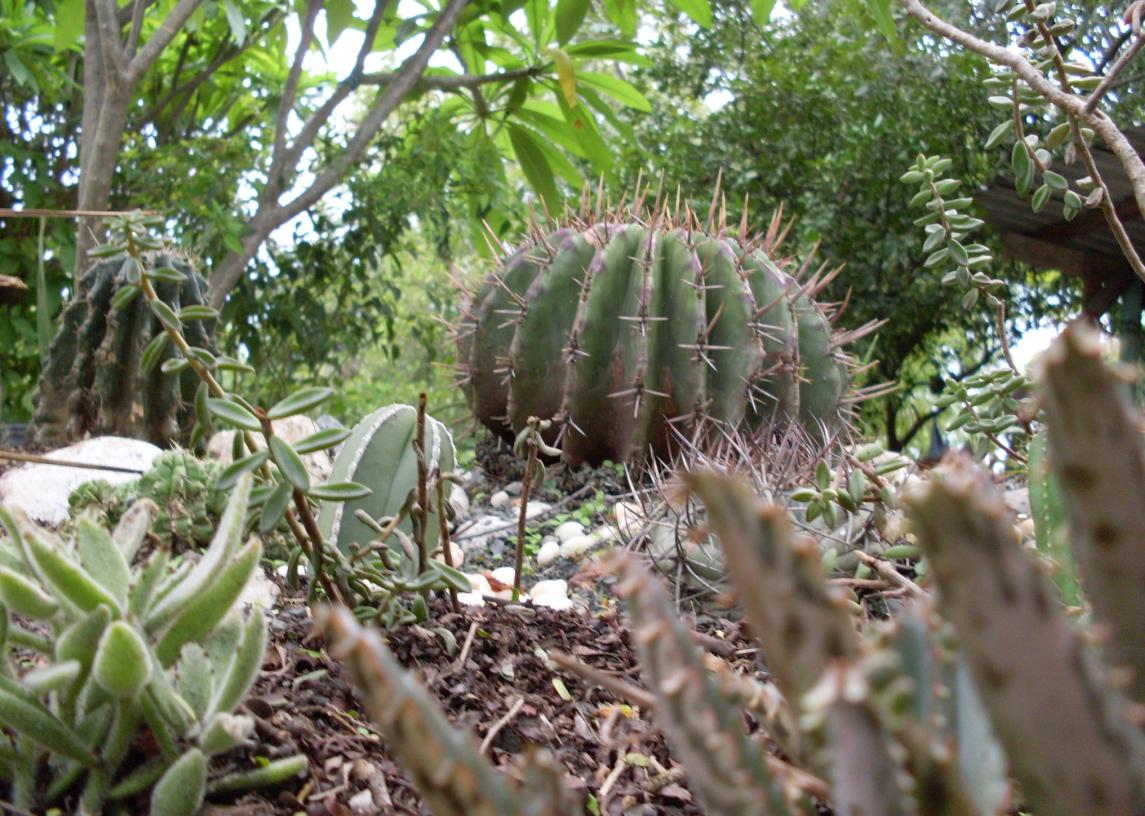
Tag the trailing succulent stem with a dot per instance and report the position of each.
(623, 330)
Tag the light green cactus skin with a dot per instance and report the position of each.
(379, 453)
(619, 329)
(92, 383)
(149, 647)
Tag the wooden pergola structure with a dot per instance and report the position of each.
(1084, 247)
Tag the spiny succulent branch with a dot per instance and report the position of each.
(725, 768)
(1067, 731)
(1096, 450)
(445, 764)
(104, 375)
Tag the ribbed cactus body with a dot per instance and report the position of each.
(379, 454)
(619, 330)
(92, 384)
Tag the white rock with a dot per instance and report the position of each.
(292, 429)
(503, 575)
(569, 530)
(499, 499)
(455, 551)
(550, 549)
(630, 518)
(478, 582)
(556, 586)
(42, 491)
(536, 508)
(577, 546)
(553, 594)
(459, 500)
(560, 603)
(605, 533)
(260, 591)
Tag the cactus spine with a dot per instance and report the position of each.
(379, 454)
(95, 382)
(621, 329)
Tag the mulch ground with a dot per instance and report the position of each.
(305, 703)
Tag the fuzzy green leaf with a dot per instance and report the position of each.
(25, 598)
(122, 664)
(244, 668)
(180, 791)
(70, 582)
(26, 715)
(210, 606)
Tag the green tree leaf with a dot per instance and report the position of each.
(570, 14)
(535, 166)
(699, 10)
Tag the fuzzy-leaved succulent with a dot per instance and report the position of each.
(100, 645)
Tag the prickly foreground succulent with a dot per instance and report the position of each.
(188, 505)
(620, 329)
(103, 375)
(118, 651)
(927, 713)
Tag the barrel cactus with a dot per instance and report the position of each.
(379, 453)
(620, 329)
(103, 374)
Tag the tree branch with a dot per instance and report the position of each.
(161, 38)
(456, 82)
(1072, 105)
(1108, 81)
(315, 122)
(291, 89)
(136, 27)
(110, 48)
(396, 91)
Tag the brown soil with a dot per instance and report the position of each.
(304, 703)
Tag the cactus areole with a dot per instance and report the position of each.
(620, 331)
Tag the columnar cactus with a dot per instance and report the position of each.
(104, 366)
(620, 329)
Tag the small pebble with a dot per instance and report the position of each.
(569, 530)
(503, 575)
(550, 549)
(629, 518)
(577, 546)
(499, 499)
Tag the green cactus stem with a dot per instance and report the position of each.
(727, 770)
(444, 764)
(1068, 733)
(94, 383)
(1096, 452)
(622, 329)
(379, 453)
